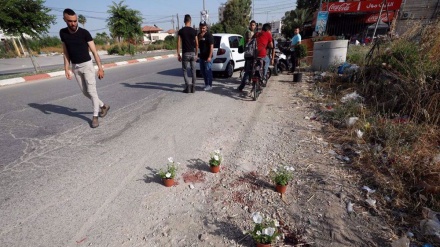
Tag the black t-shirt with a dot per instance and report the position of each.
(77, 44)
(205, 43)
(188, 36)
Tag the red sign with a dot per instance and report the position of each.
(374, 6)
(384, 17)
(362, 6)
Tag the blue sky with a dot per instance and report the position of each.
(159, 12)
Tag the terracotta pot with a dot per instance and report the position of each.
(214, 169)
(263, 245)
(168, 182)
(281, 188)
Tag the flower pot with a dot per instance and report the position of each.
(281, 188)
(263, 245)
(168, 182)
(215, 169)
(297, 77)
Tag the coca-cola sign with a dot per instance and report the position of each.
(362, 6)
(384, 17)
(337, 7)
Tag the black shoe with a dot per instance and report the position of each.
(186, 90)
(193, 88)
(239, 89)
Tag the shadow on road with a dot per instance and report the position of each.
(152, 176)
(49, 109)
(155, 85)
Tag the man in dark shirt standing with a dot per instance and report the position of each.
(76, 44)
(188, 41)
(206, 45)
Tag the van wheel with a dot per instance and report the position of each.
(229, 70)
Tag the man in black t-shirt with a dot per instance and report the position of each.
(206, 46)
(188, 41)
(76, 44)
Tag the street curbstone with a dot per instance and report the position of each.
(29, 78)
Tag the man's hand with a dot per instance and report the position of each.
(100, 74)
(68, 74)
(179, 58)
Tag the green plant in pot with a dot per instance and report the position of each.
(301, 52)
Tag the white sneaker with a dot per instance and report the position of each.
(208, 88)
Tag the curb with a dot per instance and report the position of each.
(31, 78)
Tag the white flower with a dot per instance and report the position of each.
(291, 168)
(276, 223)
(257, 218)
(269, 231)
(168, 175)
(178, 163)
(216, 157)
(170, 159)
(258, 233)
(217, 151)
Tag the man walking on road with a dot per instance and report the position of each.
(188, 41)
(76, 44)
(206, 45)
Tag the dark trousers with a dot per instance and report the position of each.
(294, 60)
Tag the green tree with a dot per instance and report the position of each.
(237, 16)
(102, 38)
(124, 23)
(311, 5)
(19, 17)
(295, 19)
(82, 19)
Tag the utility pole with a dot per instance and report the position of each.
(172, 21)
(178, 22)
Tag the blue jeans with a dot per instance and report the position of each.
(189, 57)
(206, 70)
(266, 65)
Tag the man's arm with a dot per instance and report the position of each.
(97, 59)
(197, 46)
(66, 62)
(178, 49)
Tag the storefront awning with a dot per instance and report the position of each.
(362, 6)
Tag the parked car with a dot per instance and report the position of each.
(225, 58)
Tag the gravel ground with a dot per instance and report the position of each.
(207, 209)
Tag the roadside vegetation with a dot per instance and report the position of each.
(393, 140)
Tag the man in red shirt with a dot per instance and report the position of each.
(264, 41)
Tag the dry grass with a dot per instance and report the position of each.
(400, 121)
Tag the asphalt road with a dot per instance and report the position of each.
(14, 66)
(62, 182)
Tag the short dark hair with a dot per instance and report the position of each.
(187, 18)
(202, 23)
(69, 12)
(253, 22)
(266, 27)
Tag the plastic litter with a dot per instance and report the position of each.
(352, 96)
(369, 191)
(352, 120)
(371, 202)
(401, 242)
(430, 225)
(359, 134)
(350, 207)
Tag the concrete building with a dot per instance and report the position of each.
(154, 33)
(416, 10)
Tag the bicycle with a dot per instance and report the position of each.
(257, 78)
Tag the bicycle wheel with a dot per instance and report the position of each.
(254, 91)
